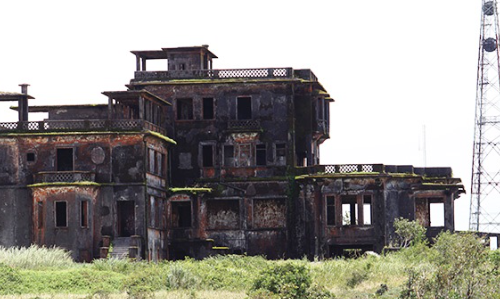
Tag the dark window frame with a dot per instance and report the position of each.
(244, 108)
(208, 113)
(204, 154)
(61, 214)
(260, 154)
(184, 109)
(60, 157)
(84, 214)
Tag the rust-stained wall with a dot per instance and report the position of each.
(73, 236)
(118, 166)
(389, 198)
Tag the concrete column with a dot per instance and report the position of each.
(23, 103)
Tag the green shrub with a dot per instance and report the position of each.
(9, 280)
(289, 280)
(180, 278)
(408, 232)
(459, 268)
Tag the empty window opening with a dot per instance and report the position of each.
(182, 66)
(260, 155)
(207, 155)
(181, 214)
(61, 214)
(64, 159)
(244, 106)
(30, 157)
(229, 155)
(429, 212)
(184, 109)
(330, 210)
(493, 243)
(280, 154)
(84, 213)
(40, 214)
(436, 210)
(208, 108)
(367, 210)
(349, 210)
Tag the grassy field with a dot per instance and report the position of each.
(50, 273)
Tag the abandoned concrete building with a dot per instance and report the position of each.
(194, 161)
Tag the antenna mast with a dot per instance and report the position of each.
(485, 183)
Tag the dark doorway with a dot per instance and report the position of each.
(126, 218)
(64, 159)
(181, 214)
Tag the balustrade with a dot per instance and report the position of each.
(64, 177)
(214, 74)
(83, 125)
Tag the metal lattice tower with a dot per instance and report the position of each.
(485, 186)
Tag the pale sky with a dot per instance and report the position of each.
(393, 66)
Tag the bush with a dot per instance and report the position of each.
(460, 268)
(408, 232)
(288, 280)
(180, 278)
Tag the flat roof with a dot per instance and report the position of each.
(133, 94)
(163, 53)
(6, 96)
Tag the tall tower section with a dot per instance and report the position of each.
(485, 186)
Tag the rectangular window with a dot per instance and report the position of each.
(280, 154)
(40, 214)
(207, 155)
(184, 109)
(260, 155)
(64, 159)
(152, 211)
(30, 157)
(367, 210)
(208, 108)
(244, 108)
(229, 155)
(330, 210)
(61, 214)
(349, 210)
(152, 161)
(436, 210)
(84, 213)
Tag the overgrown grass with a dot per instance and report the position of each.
(35, 258)
(49, 272)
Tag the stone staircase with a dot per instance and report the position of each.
(120, 248)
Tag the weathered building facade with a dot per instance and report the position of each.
(242, 175)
